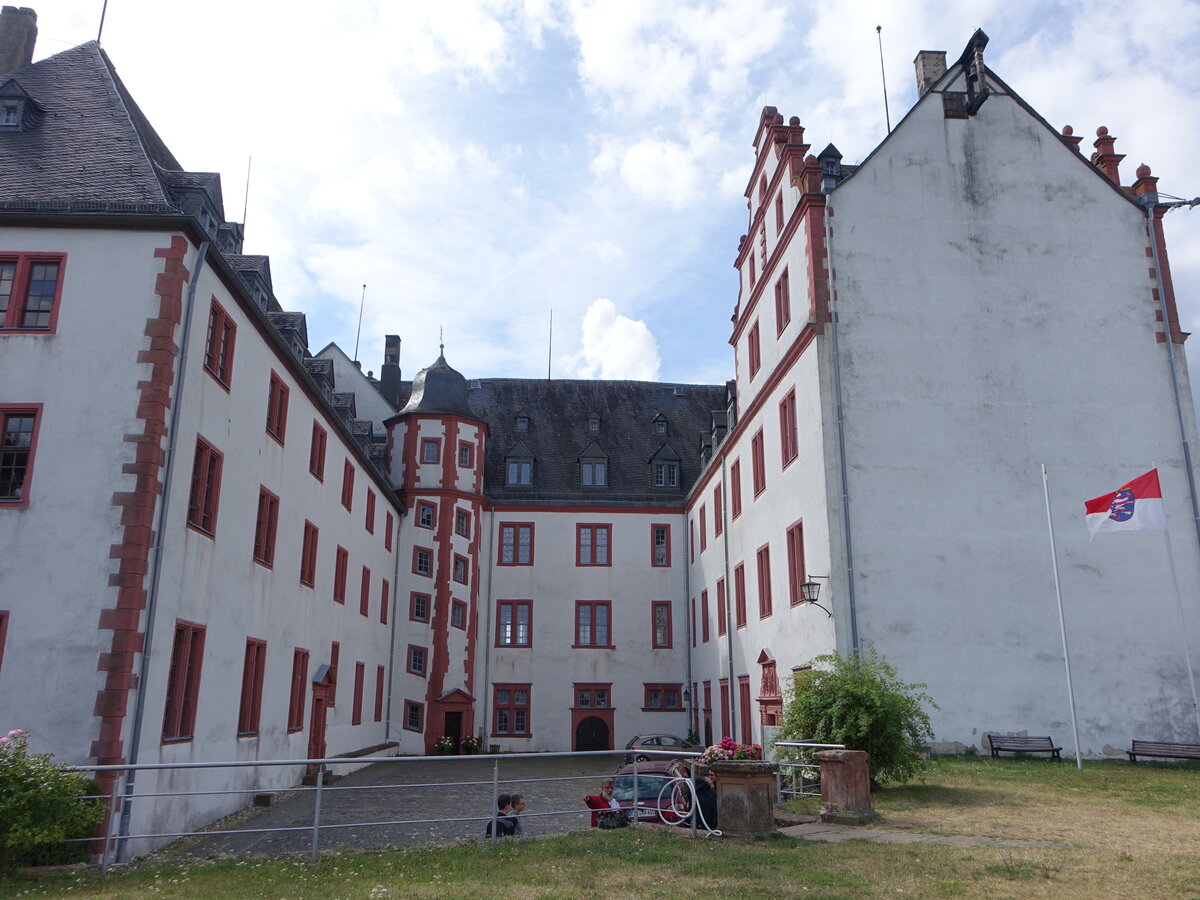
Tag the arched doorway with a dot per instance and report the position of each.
(592, 734)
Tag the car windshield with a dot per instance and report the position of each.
(649, 787)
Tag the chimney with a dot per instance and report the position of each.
(389, 372)
(930, 66)
(18, 34)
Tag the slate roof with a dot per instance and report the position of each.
(439, 389)
(93, 148)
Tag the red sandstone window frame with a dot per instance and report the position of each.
(431, 451)
(370, 516)
(744, 722)
(795, 562)
(739, 594)
(14, 318)
(277, 408)
(417, 600)
(417, 661)
(335, 655)
(759, 462)
(718, 524)
(511, 632)
(703, 528)
(297, 694)
(316, 451)
(183, 682)
(426, 514)
(789, 438)
(466, 455)
(593, 545)
(660, 545)
(754, 349)
(692, 538)
(662, 697)
(588, 633)
(661, 632)
(219, 344)
(364, 596)
(704, 616)
(779, 213)
(360, 676)
(379, 681)
(722, 615)
(341, 570)
(348, 485)
(414, 716)
(204, 498)
(308, 555)
(385, 599)
(458, 614)
(387, 535)
(15, 455)
(783, 303)
(735, 488)
(460, 569)
(254, 666)
(512, 710)
(462, 523)
(4, 614)
(762, 557)
(265, 525)
(424, 554)
(694, 622)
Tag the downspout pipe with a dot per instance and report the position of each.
(139, 712)
(730, 625)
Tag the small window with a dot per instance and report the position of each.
(341, 568)
(308, 556)
(466, 456)
(462, 523)
(364, 594)
(595, 473)
(739, 595)
(458, 615)
(205, 490)
(758, 458)
(593, 424)
(348, 485)
(370, 520)
(764, 581)
(522, 424)
(425, 514)
(513, 623)
(754, 350)
(660, 545)
(423, 561)
(277, 406)
(30, 288)
(666, 474)
(316, 452)
(779, 214)
(431, 449)
(299, 686)
(413, 716)
(218, 348)
(735, 488)
(520, 471)
(10, 112)
(662, 696)
(418, 607)
(660, 427)
(783, 303)
(416, 660)
(18, 440)
(660, 612)
(460, 569)
(264, 527)
(789, 440)
(722, 621)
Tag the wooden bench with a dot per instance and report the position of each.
(1018, 744)
(1163, 749)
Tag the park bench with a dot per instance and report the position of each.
(1019, 744)
(1163, 749)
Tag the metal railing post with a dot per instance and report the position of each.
(316, 835)
(495, 797)
(110, 827)
(636, 795)
(695, 798)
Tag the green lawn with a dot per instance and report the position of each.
(1128, 830)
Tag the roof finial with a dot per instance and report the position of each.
(441, 342)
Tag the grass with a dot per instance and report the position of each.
(1127, 830)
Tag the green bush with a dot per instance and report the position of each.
(40, 805)
(860, 702)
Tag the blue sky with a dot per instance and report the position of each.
(479, 163)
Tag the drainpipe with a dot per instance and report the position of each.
(139, 712)
(687, 615)
(487, 628)
(729, 621)
(387, 718)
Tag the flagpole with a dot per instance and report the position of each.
(1062, 622)
(1187, 652)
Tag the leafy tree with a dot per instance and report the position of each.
(39, 803)
(860, 702)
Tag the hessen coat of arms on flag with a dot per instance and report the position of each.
(1136, 506)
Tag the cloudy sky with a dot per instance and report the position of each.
(481, 163)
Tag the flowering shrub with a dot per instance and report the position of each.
(471, 744)
(444, 745)
(731, 749)
(39, 802)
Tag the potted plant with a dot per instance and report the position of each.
(444, 746)
(745, 787)
(470, 744)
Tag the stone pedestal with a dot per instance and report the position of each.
(845, 787)
(745, 797)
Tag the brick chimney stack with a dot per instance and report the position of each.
(18, 34)
(930, 66)
(389, 373)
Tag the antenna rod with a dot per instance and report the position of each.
(550, 346)
(360, 311)
(886, 112)
(103, 10)
(245, 202)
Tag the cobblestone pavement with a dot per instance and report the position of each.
(450, 790)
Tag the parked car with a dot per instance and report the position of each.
(658, 742)
(655, 791)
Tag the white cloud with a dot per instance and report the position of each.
(615, 346)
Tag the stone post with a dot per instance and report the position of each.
(745, 797)
(845, 787)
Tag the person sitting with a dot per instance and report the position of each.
(502, 820)
(607, 811)
(517, 807)
(706, 799)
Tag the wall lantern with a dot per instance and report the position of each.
(811, 590)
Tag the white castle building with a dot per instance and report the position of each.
(219, 546)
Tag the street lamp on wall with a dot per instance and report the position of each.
(811, 590)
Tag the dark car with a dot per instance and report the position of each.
(667, 742)
(658, 790)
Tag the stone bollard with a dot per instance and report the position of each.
(845, 787)
(745, 797)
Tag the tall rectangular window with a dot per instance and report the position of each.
(308, 556)
(183, 682)
(335, 655)
(370, 522)
(718, 524)
(423, 561)
(385, 597)
(379, 679)
(298, 692)
(789, 440)
(760, 462)
(744, 722)
(724, 685)
(520, 471)
(218, 347)
(660, 614)
(18, 440)
(253, 667)
(462, 523)
(458, 615)
(795, 563)
(591, 545)
(418, 607)
(3, 634)
(514, 619)
(692, 539)
(206, 487)
(414, 714)
(722, 623)
(277, 407)
(387, 535)
(316, 451)
(703, 528)
(592, 618)
(779, 213)
(783, 303)
(364, 595)
(739, 595)
(660, 545)
(360, 675)
(735, 488)
(264, 527)
(754, 350)
(704, 616)
(466, 455)
(348, 485)
(341, 570)
(460, 569)
(594, 472)
(30, 290)
(417, 657)
(764, 581)
(510, 705)
(695, 622)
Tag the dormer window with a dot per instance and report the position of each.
(522, 424)
(666, 474)
(595, 472)
(594, 424)
(10, 113)
(660, 424)
(520, 471)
